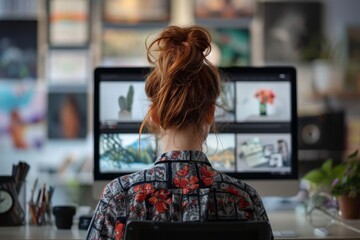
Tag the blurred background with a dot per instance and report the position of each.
(49, 49)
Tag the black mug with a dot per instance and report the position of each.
(64, 216)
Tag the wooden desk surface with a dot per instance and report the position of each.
(280, 220)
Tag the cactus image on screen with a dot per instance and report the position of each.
(125, 104)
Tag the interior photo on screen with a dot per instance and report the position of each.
(263, 101)
(123, 152)
(263, 152)
(123, 101)
(220, 149)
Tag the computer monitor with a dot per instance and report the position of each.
(256, 141)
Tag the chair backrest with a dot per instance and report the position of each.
(254, 230)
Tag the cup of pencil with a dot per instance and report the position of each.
(19, 173)
(40, 209)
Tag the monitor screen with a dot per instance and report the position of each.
(257, 123)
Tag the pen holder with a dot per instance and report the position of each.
(21, 195)
(40, 214)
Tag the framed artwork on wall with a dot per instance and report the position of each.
(126, 46)
(136, 11)
(18, 55)
(68, 67)
(293, 31)
(224, 9)
(231, 46)
(68, 23)
(22, 115)
(353, 52)
(67, 115)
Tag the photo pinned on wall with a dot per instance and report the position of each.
(18, 54)
(119, 152)
(122, 102)
(224, 9)
(131, 51)
(225, 109)
(136, 11)
(67, 115)
(263, 152)
(230, 47)
(68, 67)
(22, 115)
(262, 102)
(220, 149)
(353, 66)
(293, 31)
(68, 23)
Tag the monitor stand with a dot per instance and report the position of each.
(278, 194)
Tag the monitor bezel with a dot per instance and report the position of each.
(140, 73)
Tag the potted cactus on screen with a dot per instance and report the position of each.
(125, 104)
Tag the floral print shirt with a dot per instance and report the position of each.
(181, 186)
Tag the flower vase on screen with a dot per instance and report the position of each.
(262, 109)
(265, 96)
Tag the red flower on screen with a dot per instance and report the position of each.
(265, 96)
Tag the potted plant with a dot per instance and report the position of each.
(342, 181)
(125, 104)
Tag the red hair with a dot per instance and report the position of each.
(182, 85)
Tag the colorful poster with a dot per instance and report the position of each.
(22, 115)
(18, 54)
(293, 31)
(224, 9)
(231, 47)
(136, 11)
(68, 22)
(67, 115)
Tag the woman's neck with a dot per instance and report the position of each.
(173, 140)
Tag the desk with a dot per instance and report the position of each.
(288, 220)
(280, 220)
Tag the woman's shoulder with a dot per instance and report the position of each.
(123, 183)
(240, 184)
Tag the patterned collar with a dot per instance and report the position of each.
(184, 155)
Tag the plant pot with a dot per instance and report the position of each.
(125, 116)
(349, 207)
(64, 216)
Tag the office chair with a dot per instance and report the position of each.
(245, 230)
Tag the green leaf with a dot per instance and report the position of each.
(327, 166)
(315, 176)
(338, 171)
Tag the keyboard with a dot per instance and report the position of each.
(284, 233)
